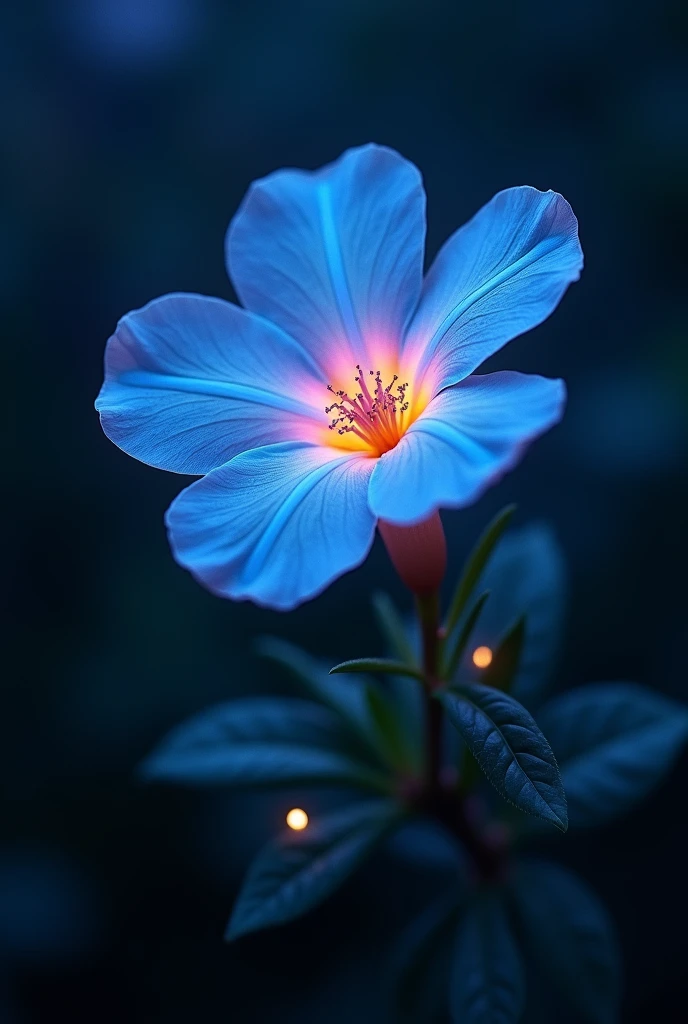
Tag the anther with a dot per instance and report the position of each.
(375, 415)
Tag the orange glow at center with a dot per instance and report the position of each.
(371, 408)
(482, 657)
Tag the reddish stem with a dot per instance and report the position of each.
(446, 804)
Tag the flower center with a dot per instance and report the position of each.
(377, 413)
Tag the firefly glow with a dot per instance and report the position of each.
(482, 657)
(297, 819)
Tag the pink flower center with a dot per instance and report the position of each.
(376, 413)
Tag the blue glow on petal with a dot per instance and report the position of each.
(275, 525)
(192, 381)
(335, 264)
(541, 250)
(499, 275)
(334, 257)
(220, 389)
(465, 440)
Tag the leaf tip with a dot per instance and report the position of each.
(560, 819)
(233, 931)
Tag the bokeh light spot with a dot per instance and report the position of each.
(482, 657)
(297, 819)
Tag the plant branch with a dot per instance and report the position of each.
(446, 804)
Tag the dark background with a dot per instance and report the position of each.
(130, 131)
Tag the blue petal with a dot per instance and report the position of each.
(465, 440)
(275, 525)
(500, 275)
(335, 256)
(192, 381)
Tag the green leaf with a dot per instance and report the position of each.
(384, 665)
(455, 657)
(487, 983)
(392, 628)
(392, 737)
(349, 698)
(526, 576)
(421, 963)
(506, 660)
(346, 697)
(510, 748)
(260, 741)
(614, 743)
(570, 938)
(299, 870)
(477, 561)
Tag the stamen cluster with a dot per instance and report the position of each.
(374, 414)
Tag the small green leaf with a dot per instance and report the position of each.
(394, 668)
(465, 635)
(392, 628)
(477, 561)
(505, 663)
(346, 698)
(393, 742)
(526, 575)
(260, 741)
(488, 982)
(299, 870)
(510, 748)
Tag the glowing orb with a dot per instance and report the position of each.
(482, 657)
(297, 819)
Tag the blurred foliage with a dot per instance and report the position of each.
(130, 133)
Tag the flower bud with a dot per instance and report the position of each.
(418, 553)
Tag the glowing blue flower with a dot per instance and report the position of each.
(329, 265)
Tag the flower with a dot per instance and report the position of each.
(344, 393)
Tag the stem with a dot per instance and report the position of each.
(451, 811)
(428, 606)
(446, 804)
(429, 615)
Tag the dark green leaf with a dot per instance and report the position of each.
(501, 671)
(393, 740)
(384, 665)
(487, 981)
(345, 696)
(526, 576)
(349, 697)
(510, 749)
(452, 661)
(301, 869)
(570, 938)
(477, 561)
(421, 963)
(259, 741)
(424, 843)
(406, 696)
(392, 628)
(614, 743)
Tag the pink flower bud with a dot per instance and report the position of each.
(418, 553)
